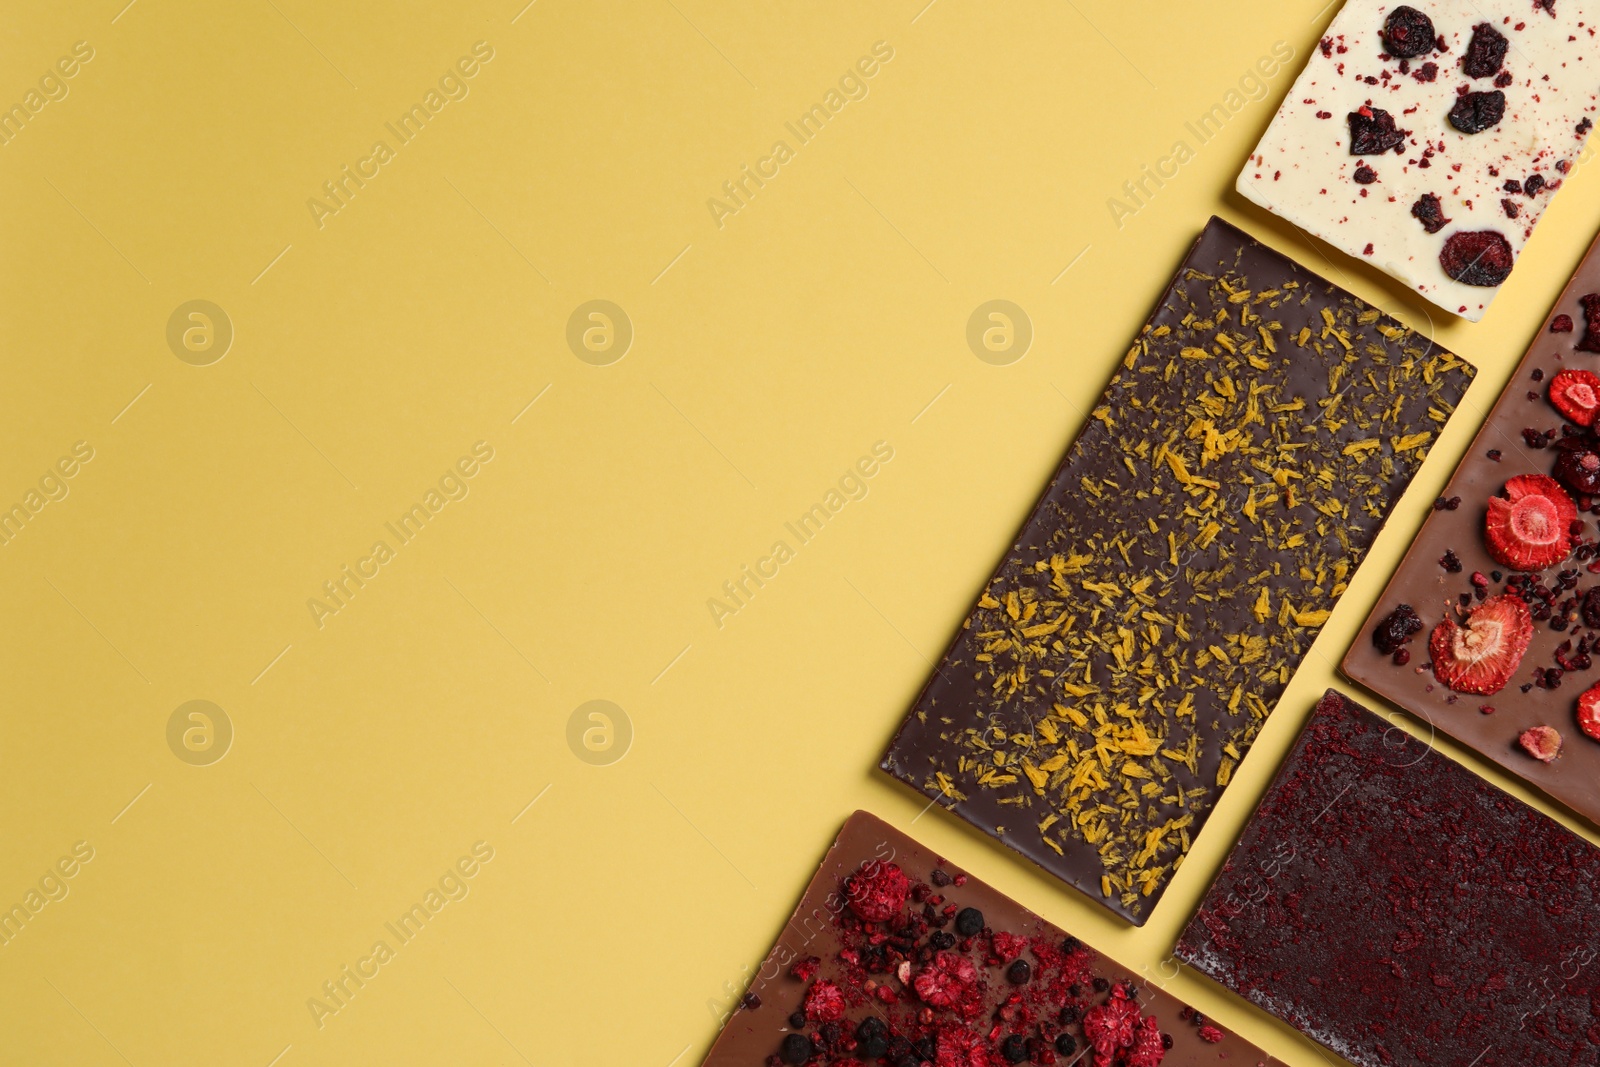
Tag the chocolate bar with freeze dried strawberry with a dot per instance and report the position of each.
(1490, 629)
(1194, 540)
(896, 956)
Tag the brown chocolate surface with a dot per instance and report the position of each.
(1399, 909)
(1183, 558)
(825, 927)
(1574, 778)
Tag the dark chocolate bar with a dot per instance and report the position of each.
(1181, 562)
(1529, 688)
(895, 956)
(1399, 909)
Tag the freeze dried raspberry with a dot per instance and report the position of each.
(1147, 1049)
(1481, 656)
(1210, 1034)
(1561, 324)
(1430, 212)
(1396, 629)
(1591, 323)
(949, 981)
(1110, 1026)
(806, 969)
(1478, 257)
(1543, 743)
(1527, 529)
(1579, 471)
(955, 1046)
(1373, 132)
(877, 891)
(1009, 946)
(1408, 33)
(824, 1002)
(1476, 112)
(1364, 175)
(1485, 52)
(1589, 712)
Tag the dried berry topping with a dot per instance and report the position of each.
(949, 981)
(1543, 743)
(1396, 629)
(1528, 528)
(1014, 1049)
(1481, 656)
(1476, 112)
(1590, 341)
(1066, 1044)
(1511, 208)
(1589, 712)
(1579, 471)
(1534, 185)
(1584, 126)
(824, 1002)
(796, 1049)
(1576, 394)
(877, 892)
(1407, 33)
(1477, 257)
(1561, 324)
(1364, 175)
(1485, 52)
(1430, 212)
(1019, 972)
(1210, 1034)
(1450, 561)
(1373, 132)
(969, 922)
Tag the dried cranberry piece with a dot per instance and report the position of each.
(1408, 33)
(1427, 72)
(1591, 323)
(1579, 471)
(1534, 185)
(1485, 52)
(1373, 132)
(1396, 629)
(1476, 112)
(1480, 257)
(1429, 211)
(1364, 174)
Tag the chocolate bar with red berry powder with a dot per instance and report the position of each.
(897, 958)
(1094, 705)
(1397, 908)
(1490, 629)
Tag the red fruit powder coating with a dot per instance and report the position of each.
(1399, 909)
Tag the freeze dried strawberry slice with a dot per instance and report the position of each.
(1576, 394)
(1527, 529)
(1110, 1026)
(1481, 656)
(1543, 743)
(877, 891)
(1589, 712)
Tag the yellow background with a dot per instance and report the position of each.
(769, 354)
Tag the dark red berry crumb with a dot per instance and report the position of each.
(1493, 454)
(1429, 211)
(1450, 562)
(1534, 185)
(1591, 323)
(1561, 324)
(1401, 657)
(1503, 79)
(1373, 132)
(1476, 112)
(1478, 257)
(1511, 208)
(1365, 175)
(1485, 52)
(1585, 126)
(1408, 33)
(1396, 629)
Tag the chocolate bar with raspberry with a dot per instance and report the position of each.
(1191, 545)
(1490, 628)
(1397, 908)
(895, 956)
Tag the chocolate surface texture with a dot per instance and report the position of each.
(1185, 554)
(1399, 909)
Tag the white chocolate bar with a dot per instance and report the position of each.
(1548, 78)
